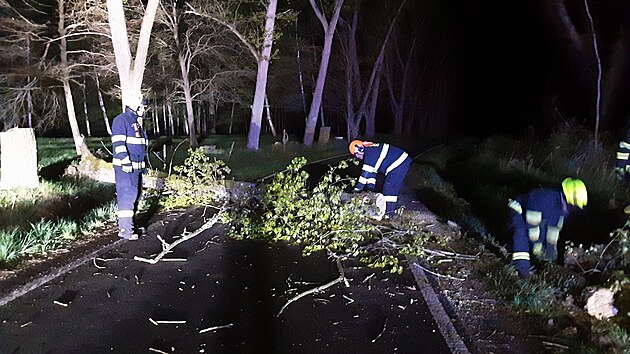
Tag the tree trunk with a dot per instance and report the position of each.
(329, 32)
(101, 104)
(268, 110)
(85, 111)
(253, 136)
(170, 117)
(130, 71)
(65, 80)
(19, 166)
(231, 119)
(599, 72)
(370, 127)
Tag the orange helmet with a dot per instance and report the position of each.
(353, 145)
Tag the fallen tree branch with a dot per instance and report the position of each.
(341, 278)
(167, 247)
(437, 274)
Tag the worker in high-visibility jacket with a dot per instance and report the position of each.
(622, 163)
(129, 143)
(382, 158)
(537, 218)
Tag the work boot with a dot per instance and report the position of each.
(124, 234)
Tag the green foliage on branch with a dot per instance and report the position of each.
(316, 219)
(320, 220)
(199, 181)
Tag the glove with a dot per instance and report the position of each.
(127, 168)
(620, 172)
(522, 267)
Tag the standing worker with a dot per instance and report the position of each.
(537, 218)
(129, 143)
(382, 158)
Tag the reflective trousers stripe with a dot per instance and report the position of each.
(520, 256)
(125, 213)
(390, 198)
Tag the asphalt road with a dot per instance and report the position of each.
(224, 298)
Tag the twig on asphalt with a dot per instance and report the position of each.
(157, 351)
(382, 331)
(437, 274)
(551, 344)
(229, 325)
(169, 322)
(167, 247)
(341, 278)
(98, 266)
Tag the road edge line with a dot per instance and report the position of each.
(38, 281)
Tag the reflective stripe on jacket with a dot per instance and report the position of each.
(129, 141)
(383, 158)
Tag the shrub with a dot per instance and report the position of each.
(197, 182)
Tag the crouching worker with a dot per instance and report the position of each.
(129, 143)
(622, 163)
(382, 158)
(536, 220)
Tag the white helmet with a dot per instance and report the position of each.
(136, 101)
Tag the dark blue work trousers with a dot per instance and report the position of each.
(128, 188)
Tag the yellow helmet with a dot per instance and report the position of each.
(575, 192)
(353, 145)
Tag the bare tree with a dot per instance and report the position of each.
(361, 100)
(259, 46)
(397, 85)
(205, 59)
(22, 75)
(186, 48)
(329, 31)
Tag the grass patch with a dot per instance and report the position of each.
(46, 236)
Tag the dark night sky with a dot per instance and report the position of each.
(509, 65)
